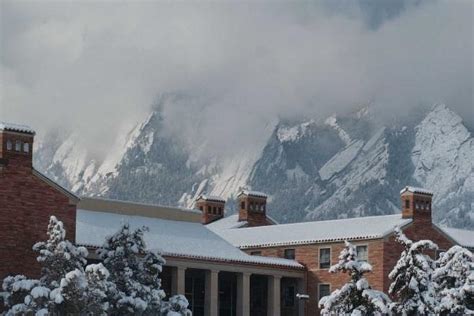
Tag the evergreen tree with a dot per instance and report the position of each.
(411, 278)
(135, 272)
(356, 297)
(57, 255)
(451, 276)
(176, 306)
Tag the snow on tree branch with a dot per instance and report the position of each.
(411, 277)
(356, 297)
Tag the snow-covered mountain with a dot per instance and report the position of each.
(336, 167)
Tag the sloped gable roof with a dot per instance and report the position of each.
(313, 232)
(170, 237)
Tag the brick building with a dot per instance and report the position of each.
(242, 264)
(316, 245)
(27, 200)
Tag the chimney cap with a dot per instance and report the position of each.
(11, 127)
(253, 193)
(211, 198)
(416, 190)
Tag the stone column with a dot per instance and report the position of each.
(301, 290)
(274, 282)
(243, 294)
(178, 280)
(211, 294)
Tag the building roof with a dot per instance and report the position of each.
(140, 209)
(170, 237)
(16, 128)
(463, 237)
(416, 190)
(313, 232)
(228, 222)
(232, 221)
(253, 193)
(211, 198)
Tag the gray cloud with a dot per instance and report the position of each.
(94, 66)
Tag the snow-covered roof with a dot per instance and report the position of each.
(172, 238)
(253, 193)
(463, 237)
(232, 221)
(16, 128)
(211, 198)
(313, 232)
(416, 190)
(228, 222)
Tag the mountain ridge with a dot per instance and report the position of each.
(314, 169)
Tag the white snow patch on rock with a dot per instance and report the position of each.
(340, 160)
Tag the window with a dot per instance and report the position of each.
(323, 290)
(255, 253)
(214, 210)
(18, 145)
(242, 205)
(251, 206)
(290, 254)
(9, 145)
(324, 258)
(201, 208)
(26, 147)
(289, 296)
(407, 203)
(362, 253)
(220, 210)
(209, 210)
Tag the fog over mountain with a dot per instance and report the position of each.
(176, 98)
(96, 67)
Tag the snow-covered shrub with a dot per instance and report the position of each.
(176, 306)
(83, 293)
(99, 289)
(454, 267)
(412, 278)
(356, 297)
(57, 255)
(23, 296)
(135, 272)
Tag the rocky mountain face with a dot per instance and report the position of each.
(343, 166)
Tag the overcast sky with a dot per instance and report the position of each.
(95, 65)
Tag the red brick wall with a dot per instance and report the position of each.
(308, 255)
(420, 228)
(26, 203)
(253, 217)
(207, 217)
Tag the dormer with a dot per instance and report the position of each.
(211, 207)
(416, 203)
(16, 145)
(253, 208)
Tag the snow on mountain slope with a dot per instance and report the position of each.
(344, 166)
(443, 157)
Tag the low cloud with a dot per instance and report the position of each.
(95, 66)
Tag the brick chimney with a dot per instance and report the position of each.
(253, 208)
(212, 208)
(16, 146)
(416, 203)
